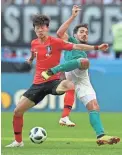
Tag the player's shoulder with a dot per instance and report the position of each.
(34, 41)
(55, 39)
(70, 38)
(59, 40)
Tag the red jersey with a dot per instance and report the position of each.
(47, 56)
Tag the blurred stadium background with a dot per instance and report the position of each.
(105, 70)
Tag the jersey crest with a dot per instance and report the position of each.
(49, 50)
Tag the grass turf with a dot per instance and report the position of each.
(80, 140)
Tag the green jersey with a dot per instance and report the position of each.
(74, 54)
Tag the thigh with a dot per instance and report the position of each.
(58, 87)
(83, 88)
(80, 74)
(35, 93)
(64, 86)
(24, 104)
(68, 75)
(51, 87)
(77, 75)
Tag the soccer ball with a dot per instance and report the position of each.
(38, 135)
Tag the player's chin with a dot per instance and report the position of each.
(83, 41)
(40, 35)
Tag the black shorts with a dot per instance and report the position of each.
(37, 92)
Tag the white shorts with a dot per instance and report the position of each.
(83, 87)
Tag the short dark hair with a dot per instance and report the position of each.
(78, 26)
(40, 20)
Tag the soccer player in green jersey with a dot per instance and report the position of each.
(76, 69)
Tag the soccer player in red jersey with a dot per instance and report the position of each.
(47, 51)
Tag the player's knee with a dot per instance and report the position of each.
(93, 105)
(18, 112)
(84, 63)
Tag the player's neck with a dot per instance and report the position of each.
(43, 40)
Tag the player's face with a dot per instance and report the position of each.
(41, 31)
(82, 35)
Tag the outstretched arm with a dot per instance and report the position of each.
(84, 47)
(61, 33)
(64, 45)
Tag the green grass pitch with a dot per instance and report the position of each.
(80, 140)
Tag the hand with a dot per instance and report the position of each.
(75, 10)
(103, 47)
(29, 61)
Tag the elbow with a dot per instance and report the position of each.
(59, 34)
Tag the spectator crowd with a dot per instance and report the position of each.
(65, 2)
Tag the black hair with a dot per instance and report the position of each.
(40, 20)
(79, 26)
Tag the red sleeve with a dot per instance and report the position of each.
(64, 45)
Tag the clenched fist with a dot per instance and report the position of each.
(103, 47)
(75, 10)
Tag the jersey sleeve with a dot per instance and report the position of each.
(64, 45)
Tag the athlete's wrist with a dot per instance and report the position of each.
(96, 47)
(73, 16)
(31, 59)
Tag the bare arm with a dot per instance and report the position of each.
(61, 33)
(84, 47)
(31, 58)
